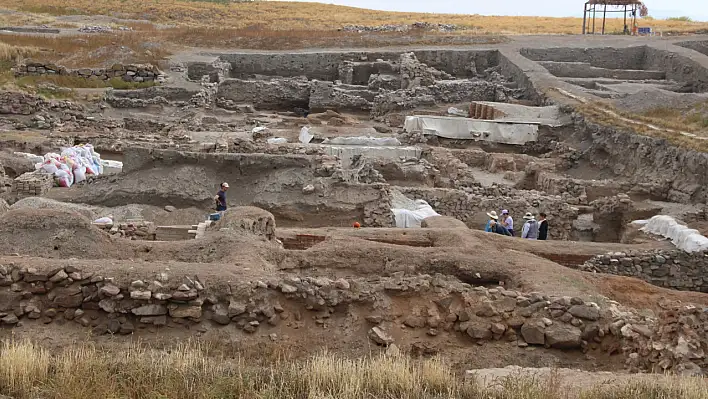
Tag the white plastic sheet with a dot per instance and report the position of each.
(684, 238)
(472, 129)
(364, 140)
(277, 140)
(305, 136)
(412, 218)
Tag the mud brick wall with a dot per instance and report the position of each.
(587, 191)
(33, 184)
(128, 73)
(669, 269)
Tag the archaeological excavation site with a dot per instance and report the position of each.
(360, 187)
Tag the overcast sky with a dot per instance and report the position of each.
(696, 9)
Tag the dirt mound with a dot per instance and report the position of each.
(46, 203)
(442, 222)
(52, 233)
(250, 219)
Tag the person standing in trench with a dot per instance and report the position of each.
(220, 197)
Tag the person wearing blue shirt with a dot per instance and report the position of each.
(492, 217)
(220, 197)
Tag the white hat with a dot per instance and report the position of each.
(493, 215)
(529, 216)
(505, 212)
(225, 185)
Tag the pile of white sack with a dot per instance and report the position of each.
(73, 165)
(687, 239)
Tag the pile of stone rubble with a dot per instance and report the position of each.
(102, 29)
(401, 28)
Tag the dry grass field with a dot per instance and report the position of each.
(195, 371)
(275, 15)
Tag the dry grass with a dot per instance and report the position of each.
(15, 53)
(311, 16)
(694, 119)
(96, 50)
(652, 126)
(192, 371)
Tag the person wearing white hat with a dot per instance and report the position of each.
(530, 230)
(493, 217)
(220, 197)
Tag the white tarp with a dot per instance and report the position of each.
(408, 213)
(305, 136)
(364, 140)
(684, 238)
(472, 129)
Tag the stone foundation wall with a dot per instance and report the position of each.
(128, 73)
(669, 269)
(164, 303)
(131, 229)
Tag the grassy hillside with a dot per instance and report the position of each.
(311, 16)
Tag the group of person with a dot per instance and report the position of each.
(531, 230)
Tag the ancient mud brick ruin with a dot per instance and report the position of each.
(322, 151)
(32, 184)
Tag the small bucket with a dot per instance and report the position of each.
(215, 216)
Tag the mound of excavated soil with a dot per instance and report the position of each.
(52, 233)
(46, 203)
(250, 219)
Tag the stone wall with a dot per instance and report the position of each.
(471, 206)
(131, 229)
(670, 269)
(164, 302)
(128, 73)
(586, 191)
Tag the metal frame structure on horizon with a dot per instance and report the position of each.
(590, 11)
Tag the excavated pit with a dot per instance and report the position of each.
(618, 72)
(285, 262)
